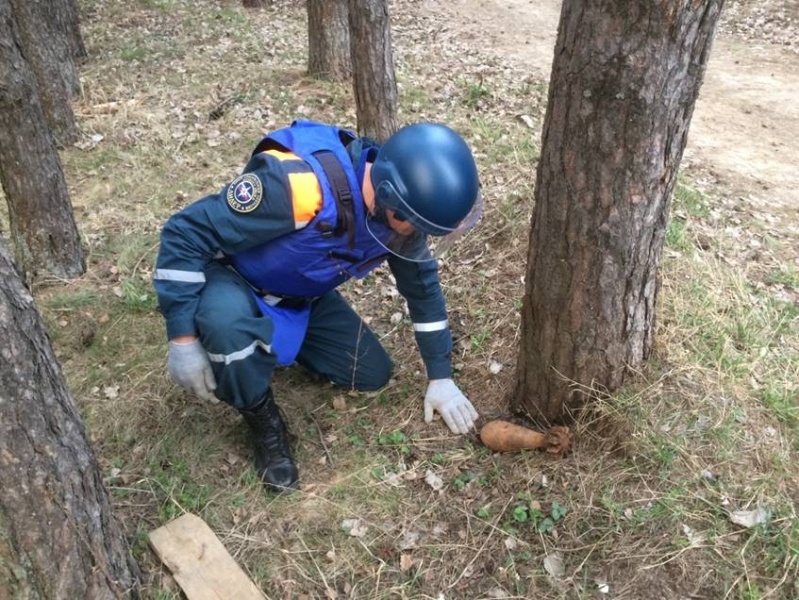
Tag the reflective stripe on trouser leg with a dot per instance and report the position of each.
(340, 347)
(236, 336)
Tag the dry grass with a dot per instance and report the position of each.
(641, 506)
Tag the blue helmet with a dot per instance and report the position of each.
(427, 175)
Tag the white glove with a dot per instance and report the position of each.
(189, 367)
(444, 397)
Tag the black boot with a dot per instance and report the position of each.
(273, 460)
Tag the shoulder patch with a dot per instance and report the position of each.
(245, 193)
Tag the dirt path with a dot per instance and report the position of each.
(745, 129)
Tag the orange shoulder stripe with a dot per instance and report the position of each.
(282, 155)
(306, 195)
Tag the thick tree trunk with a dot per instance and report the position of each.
(43, 231)
(374, 81)
(68, 15)
(58, 538)
(44, 34)
(623, 87)
(329, 40)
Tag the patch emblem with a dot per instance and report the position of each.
(245, 193)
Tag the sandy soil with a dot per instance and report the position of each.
(745, 128)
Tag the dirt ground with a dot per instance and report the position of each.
(745, 126)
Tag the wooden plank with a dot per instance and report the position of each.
(199, 562)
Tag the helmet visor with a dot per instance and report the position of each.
(422, 245)
(411, 247)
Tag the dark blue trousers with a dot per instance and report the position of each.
(338, 345)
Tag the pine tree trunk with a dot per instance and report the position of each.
(69, 17)
(623, 87)
(45, 41)
(329, 40)
(374, 81)
(58, 538)
(43, 232)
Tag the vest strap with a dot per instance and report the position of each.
(345, 219)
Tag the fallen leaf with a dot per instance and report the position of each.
(695, 538)
(750, 518)
(408, 540)
(339, 403)
(553, 564)
(111, 392)
(354, 527)
(406, 562)
(494, 367)
(433, 480)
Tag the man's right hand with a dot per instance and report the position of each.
(189, 367)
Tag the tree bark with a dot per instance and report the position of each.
(45, 38)
(43, 232)
(329, 40)
(69, 16)
(374, 81)
(58, 538)
(622, 91)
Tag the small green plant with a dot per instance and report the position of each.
(787, 275)
(138, 296)
(690, 201)
(131, 53)
(80, 299)
(162, 5)
(354, 438)
(479, 340)
(231, 16)
(396, 439)
(676, 236)
(462, 480)
(521, 514)
(531, 512)
(438, 459)
(781, 400)
(474, 94)
(178, 490)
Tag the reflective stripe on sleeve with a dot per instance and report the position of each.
(240, 354)
(176, 275)
(435, 326)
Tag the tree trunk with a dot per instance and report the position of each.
(374, 81)
(623, 87)
(58, 538)
(43, 231)
(329, 40)
(69, 17)
(45, 40)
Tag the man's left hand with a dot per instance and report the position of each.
(444, 397)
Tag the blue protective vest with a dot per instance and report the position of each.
(316, 259)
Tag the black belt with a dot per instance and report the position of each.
(295, 302)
